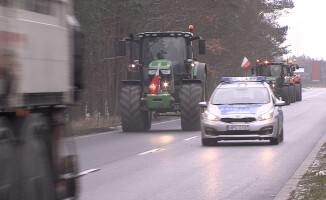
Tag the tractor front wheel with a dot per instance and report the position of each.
(130, 109)
(191, 95)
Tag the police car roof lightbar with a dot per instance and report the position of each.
(244, 79)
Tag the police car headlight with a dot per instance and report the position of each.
(266, 116)
(210, 117)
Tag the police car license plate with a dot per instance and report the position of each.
(238, 128)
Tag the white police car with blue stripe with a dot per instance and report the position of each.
(242, 108)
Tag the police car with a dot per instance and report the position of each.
(242, 108)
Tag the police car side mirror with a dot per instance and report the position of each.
(203, 104)
(280, 103)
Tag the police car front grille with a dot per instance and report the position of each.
(263, 131)
(230, 120)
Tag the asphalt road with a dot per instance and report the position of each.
(179, 167)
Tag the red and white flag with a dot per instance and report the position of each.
(154, 83)
(245, 63)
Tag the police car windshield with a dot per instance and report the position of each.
(241, 95)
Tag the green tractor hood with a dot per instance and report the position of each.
(163, 63)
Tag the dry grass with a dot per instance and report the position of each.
(313, 183)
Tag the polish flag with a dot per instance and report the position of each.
(245, 63)
(154, 83)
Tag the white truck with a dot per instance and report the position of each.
(41, 52)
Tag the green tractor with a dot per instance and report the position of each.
(163, 78)
(277, 75)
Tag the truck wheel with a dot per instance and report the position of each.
(35, 165)
(298, 91)
(292, 94)
(191, 95)
(8, 164)
(130, 108)
(286, 95)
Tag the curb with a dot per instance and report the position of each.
(292, 183)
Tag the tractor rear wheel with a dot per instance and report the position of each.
(292, 93)
(130, 108)
(191, 95)
(298, 91)
(286, 95)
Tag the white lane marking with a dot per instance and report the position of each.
(83, 173)
(191, 138)
(150, 151)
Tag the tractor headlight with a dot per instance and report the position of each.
(165, 84)
(210, 117)
(266, 116)
(165, 71)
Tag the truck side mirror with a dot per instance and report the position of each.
(202, 46)
(122, 48)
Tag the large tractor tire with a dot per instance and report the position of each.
(147, 116)
(292, 93)
(132, 117)
(202, 75)
(298, 91)
(35, 167)
(8, 164)
(286, 95)
(191, 95)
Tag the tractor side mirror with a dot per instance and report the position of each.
(202, 46)
(203, 104)
(297, 67)
(252, 71)
(122, 48)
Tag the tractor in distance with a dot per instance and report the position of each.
(163, 77)
(277, 75)
(295, 79)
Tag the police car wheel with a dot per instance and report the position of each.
(275, 141)
(208, 142)
(282, 136)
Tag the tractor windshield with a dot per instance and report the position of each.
(170, 48)
(273, 70)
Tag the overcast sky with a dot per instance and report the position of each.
(307, 28)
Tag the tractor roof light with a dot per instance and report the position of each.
(257, 61)
(266, 62)
(191, 28)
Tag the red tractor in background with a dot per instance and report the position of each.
(295, 80)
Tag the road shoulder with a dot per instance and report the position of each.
(292, 183)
